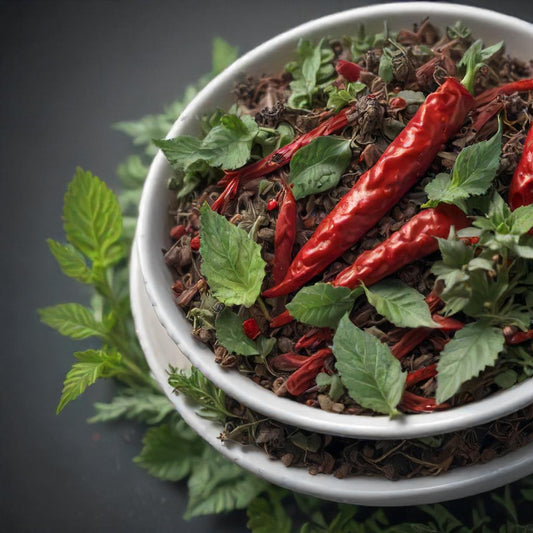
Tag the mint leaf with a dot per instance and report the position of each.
(339, 98)
(180, 151)
(472, 348)
(219, 486)
(93, 364)
(231, 261)
(474, 58)
(134, 404)
(229, 144)
(521, 220)
(71, 262)
(472, 174)
(385, 70)
(268, 515)
(403, 306)
(319, 166)
(223, 55)
(92, 219)
(231, 335)
(169, 451)
(368, 370)
(73, 320)
(322, 304)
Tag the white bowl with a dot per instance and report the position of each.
(361, 490)
(152, 230)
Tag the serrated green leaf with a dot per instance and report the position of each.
(231, 261)
(134, 404)
(322, 304)
(231, 335)
(317, 167)
(385, 70)
(368, 370)
(132, 172)
(223, 55)
(400, 304)
(93, 364)
(180, 151)
(268, 515)
(521, 220)
(340, 98)
(92, 219)
(71, 262)
(219, 486)
(473, 348)
(169, 452)
(73, 320)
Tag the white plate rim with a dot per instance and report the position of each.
(239, 386)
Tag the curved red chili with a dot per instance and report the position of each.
(421, 374)
(402, 164)
(284, 236)
(521, 189)
(519, 86)
(305, 376)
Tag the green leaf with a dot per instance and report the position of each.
(339, 98)
(336, 388)
(403, 306)
(71, 262)
(521, 220)
(231, 261)
(219, 486)
(93, 364)
(92, 219)
(169, 451)
(134, 404)
(317, 167)
(73, 320)
(322, 304)
(180, 151)
(223, 55)
(473, 348)
(229, 144)
(474, 58)
(385, 70)
(472, 174)
(268, 515)
(369, 371)
(231, 335)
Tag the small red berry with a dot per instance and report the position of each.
(272, 204)
(251, 329)
(195, 243)
(350, 71)
(177, 232)
(397, 103)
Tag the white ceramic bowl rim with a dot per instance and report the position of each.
(152, 235)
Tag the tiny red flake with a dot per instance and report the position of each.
(251, 329)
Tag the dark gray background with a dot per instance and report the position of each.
(69, 69)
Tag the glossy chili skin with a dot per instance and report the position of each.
(284, 236)
(305, 376)
(521, 189)
(402, 164)
(414, 240)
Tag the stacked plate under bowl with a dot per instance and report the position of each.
(165, 334)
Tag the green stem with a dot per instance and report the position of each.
(263, 308)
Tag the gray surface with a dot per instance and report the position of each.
(67, 71)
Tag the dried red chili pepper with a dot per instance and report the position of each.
(288, 361)
(251, 329)
(285, 235)
(305, 376)
(521, 189)
(313, 338)
(520, 337)
(509, 88)
(402, 164)
(421, 374)
(350, 71)
(280, 157)
(411, 242)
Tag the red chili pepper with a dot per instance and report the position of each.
(419, 404)
(177, 232)
(272, 204)
(288, 361)
(285, 235)
(195, 243)
(411, 242)
(520, 337)
(521, 190)
(313, 338)
(350, 71)
(421, 374)
(280, 157)
(402, 164)
(519, 86)
(251, 329)
(305, 376)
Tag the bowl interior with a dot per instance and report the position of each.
(152, 229)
